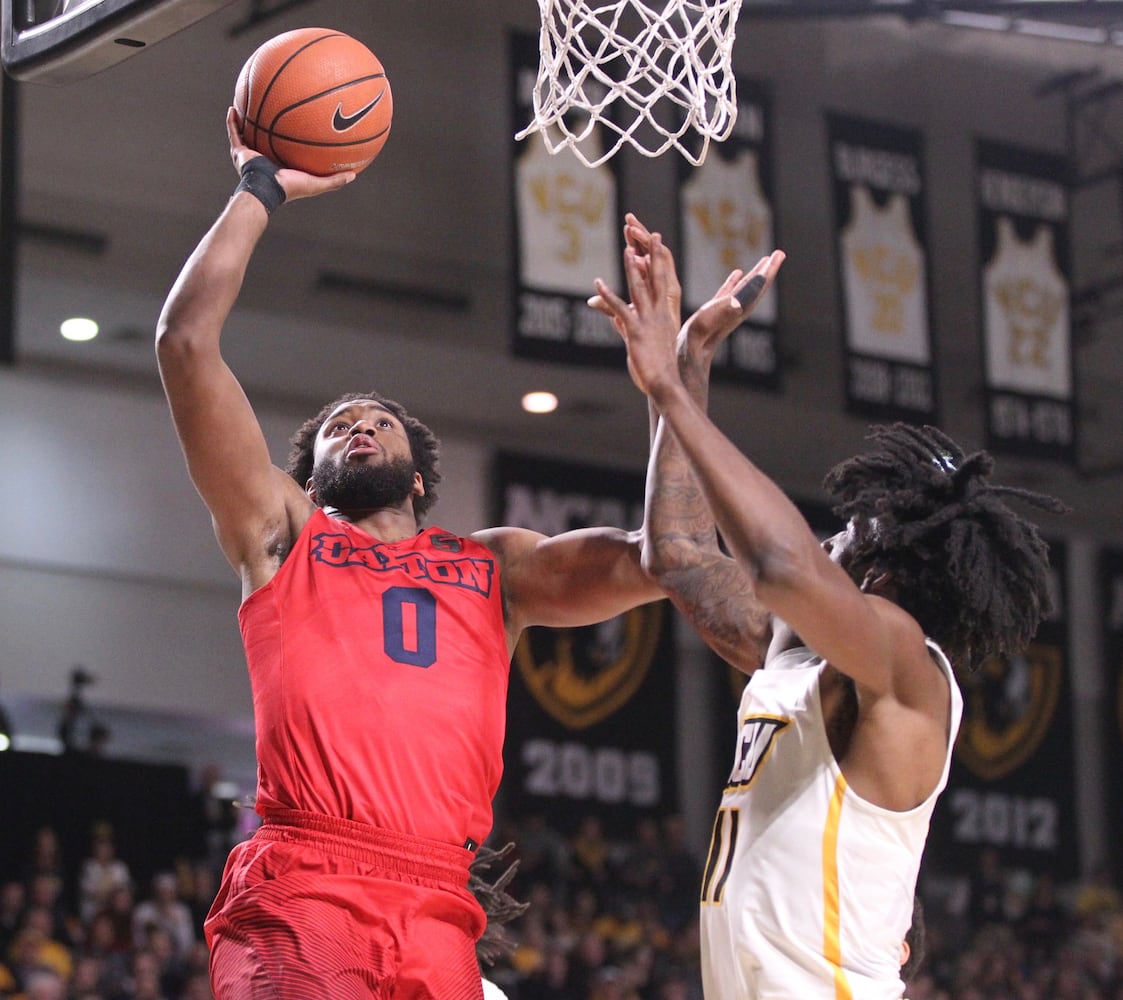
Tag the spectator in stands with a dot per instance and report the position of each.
(200, 895)
(541, 853)
(216, 817)
(46, 856)
(13, 901)
(102, 873)
(144, 984)
(589, 854)
(44, 984)
(1044, 921)
(588, 957)
(102, 945)
(1098, 894)
(165, 909)
(551, 980)
(682, 875)
(34, 950)
(642, 864)
(45, 892)
(987, 901)
(172, 967)
(86, 980)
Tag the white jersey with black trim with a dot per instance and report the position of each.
(808, 888)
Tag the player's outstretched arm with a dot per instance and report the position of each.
(579, 577)
(789, 571)
(226, 452)
(681, 549)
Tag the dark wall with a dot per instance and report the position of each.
(149, 806)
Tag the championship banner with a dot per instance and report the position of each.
(877, 175)
(568, 231)
(591, 721)
(1111, 601)
(727, 220)
(1013, 775)
(1026, 282)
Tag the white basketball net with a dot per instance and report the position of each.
(648, 76)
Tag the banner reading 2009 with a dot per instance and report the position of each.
(590, 714)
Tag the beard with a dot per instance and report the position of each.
(364, 487)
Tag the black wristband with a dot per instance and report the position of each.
(259, 178)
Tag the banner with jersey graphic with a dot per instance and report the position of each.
(1013, 775)
(591, 722)
(877, 175)
(727, 220)
(1111, 601)
(567, 232)
(1025, 288)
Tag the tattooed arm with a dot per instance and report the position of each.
(681, 550)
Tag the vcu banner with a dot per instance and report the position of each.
(567, 232)
(877, 175)
(1013, 774)
(591, 711)
(1023, 213)
(727, 220)
(1111, 601)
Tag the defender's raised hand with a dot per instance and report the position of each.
(650, 324)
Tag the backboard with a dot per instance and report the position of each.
(60, 41)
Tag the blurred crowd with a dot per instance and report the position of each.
(607, 918)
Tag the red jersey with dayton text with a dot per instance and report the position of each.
(379, 676)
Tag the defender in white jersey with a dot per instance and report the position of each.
(845, 735)
(835, 929)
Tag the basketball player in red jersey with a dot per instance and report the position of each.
(378, 655)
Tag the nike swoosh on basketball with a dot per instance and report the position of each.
(341, 122)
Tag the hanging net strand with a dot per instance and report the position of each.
(648, 76)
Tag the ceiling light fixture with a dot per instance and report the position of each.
(540, 402)
(78, 328)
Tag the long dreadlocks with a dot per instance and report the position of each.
(969, 569)
(499, 905)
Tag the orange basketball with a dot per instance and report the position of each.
(315, 100)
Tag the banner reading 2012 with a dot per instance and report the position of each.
(1011, 787)
(590, 713)
(877, 173)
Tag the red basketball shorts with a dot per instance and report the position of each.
(313, 907)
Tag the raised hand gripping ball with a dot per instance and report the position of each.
(315, 100)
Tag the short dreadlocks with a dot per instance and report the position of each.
(499, 905)
(970, 570)
(423, 446)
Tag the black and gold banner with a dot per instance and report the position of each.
(1013, 775)
(567, 232)
(726, 209)
(1025, 289)
(877, 175)
(591, 722)
(1111, 601)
